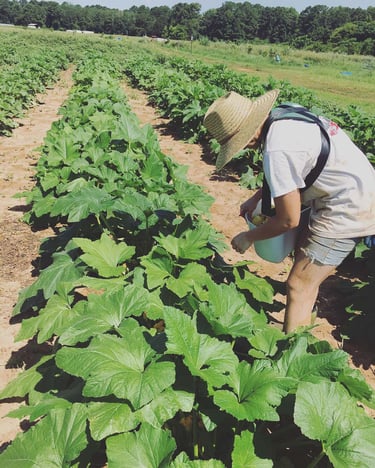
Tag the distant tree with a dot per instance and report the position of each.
(229, 22)
(187, 17)
(278, 24)
(368, 47)
(161, 18)
(32, 12)
(338, 16)
(249, 16)
(313, 22)
(94, 19)
(358, 37)
(210, 25)
(52, 15)
(359, 14)
(232, 21)
(6, 14)
(143, 20)
(71, 16)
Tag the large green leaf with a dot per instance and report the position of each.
(49, 180)
(325, 412)
(193, 245)
(154, 172)
(102, 121)
(257, 392)
(260, 288)
(62, 270)
(110, 418)
(243, 455)
(204, 356)
(42, 204)
(357, 386)
(192, 277)
(147, 448)
(56, 441)
(52, 320)
(72, 185)
(265, 341)
(183, 461)
(45, 403)
(228, 312)
(128, 129)
(300, 365)
(192, 199)
(63, 151)
(158, 266)
(101, 284)
(105, 255)
(135, 204)
(164, 406)
(124, 367)
(126, 166)
(25, 381)
(104, 174)
(106, 312)
(79, 205)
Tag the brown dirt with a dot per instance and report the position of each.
(19, 244)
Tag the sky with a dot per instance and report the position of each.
(299, 5)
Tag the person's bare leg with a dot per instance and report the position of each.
(302, 290)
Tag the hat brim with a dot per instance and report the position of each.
(249, 127)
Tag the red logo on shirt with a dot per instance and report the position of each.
(333, 128)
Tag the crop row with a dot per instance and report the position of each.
(22, 78)
(183, 89)
(160, 353)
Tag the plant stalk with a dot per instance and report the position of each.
(316, 460)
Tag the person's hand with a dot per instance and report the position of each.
(242, 241)
(248, 207)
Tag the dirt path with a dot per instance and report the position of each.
(19, 244)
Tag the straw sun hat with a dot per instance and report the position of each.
(233, 120)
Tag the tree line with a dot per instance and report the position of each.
(320, 28)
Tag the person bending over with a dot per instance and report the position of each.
(342, 198)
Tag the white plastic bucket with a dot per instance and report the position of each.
(277, 248)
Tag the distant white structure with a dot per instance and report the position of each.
(158, 39)
(78, 31)
(32, 26)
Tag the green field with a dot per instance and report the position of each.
(336, 78)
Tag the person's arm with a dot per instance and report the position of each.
(288, 212)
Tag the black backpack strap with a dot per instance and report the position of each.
(266, 199)
(295, 113)
(321, 161)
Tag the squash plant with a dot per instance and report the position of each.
(21, 80)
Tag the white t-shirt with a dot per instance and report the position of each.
(342, 199)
